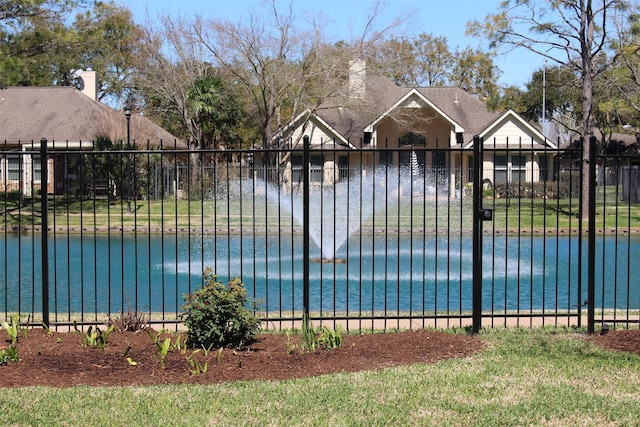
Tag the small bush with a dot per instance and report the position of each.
(12, 196)
(536, 190)
(9, 354)
(219, 316)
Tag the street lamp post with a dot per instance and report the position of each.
(127, 113)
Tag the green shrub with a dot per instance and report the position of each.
(12, 196)
(536, 190)
(219, 316)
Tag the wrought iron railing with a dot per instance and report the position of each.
(387, 246)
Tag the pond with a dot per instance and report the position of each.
(383, 274)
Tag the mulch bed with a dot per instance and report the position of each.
(61, 360)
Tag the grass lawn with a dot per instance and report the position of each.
(525, 377)
(508, 214)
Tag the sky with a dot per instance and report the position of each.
(345, 17)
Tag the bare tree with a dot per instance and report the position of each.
(573, 33)
(168, 64)
(283, 69)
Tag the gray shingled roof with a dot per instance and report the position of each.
(464, 108)
(66, 114)
(381, 94)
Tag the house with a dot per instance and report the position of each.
(433, 126)
(69, 119)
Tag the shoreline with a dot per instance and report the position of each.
(298, 230)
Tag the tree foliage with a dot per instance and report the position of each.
(577, 34)
(42, 44)
(625, 77)
(109, 41)
(215, 112)
(426, 60)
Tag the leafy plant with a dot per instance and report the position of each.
(133, 321)
(220, 316)
(196, 366)
(96, 337)
(14, 328)
(163, 350)
(309, 337)
(324, 338)
(329, 338)
(126, 350)
(162, 345)
(290, 344)
(48, 329)
(9, 354)
(180, 344)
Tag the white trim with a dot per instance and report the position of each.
(537, 135)
(312, 117)
(414, 92)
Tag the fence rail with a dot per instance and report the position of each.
(389, 245)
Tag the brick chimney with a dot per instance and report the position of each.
(89, 83)
(357, 78)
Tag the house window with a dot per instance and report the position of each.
(544, 168)
(470, 170)
(412, 139)
(37, 169)
(413, 160)
(316, 168)
(438, 159)
(386, 158)
(343, 167)
(14, 168)
(509, 168)
(500, 169)
(296, 168)
(518, 169)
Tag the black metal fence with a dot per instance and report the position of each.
(492, 238)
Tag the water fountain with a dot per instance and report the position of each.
(338, 210)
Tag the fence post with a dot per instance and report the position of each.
(305, 228)
(477, 235)
(44, 232)
(591, 255)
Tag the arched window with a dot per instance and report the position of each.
(413, 139)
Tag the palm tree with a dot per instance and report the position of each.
(215, 114)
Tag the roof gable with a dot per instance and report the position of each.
(414, 99)
(518, 130)
(306, 118)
